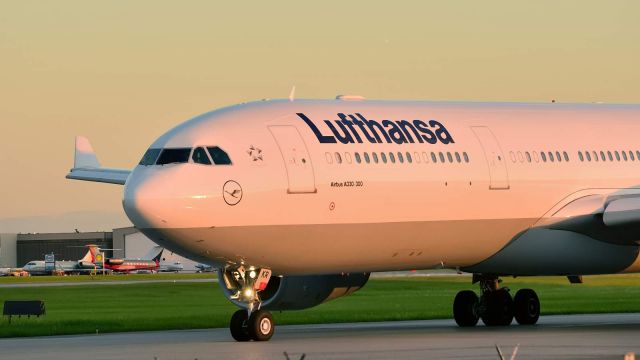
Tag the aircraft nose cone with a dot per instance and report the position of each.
(142, 200)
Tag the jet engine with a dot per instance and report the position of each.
(296, 292)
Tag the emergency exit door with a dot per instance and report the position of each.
(296, 159)
(499, 178)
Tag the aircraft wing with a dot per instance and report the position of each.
(87, 167)
(605, 215)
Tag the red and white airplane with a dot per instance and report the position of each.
(150, 262)
(322, 192)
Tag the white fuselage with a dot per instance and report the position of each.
(301, 206)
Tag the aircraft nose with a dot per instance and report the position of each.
(143, 202)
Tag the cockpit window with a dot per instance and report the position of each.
(173, 156)
(150, 157)
(200, 156)
(219, 156)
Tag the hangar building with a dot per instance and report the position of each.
(18, 249)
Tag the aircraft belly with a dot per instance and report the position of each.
(333, 248)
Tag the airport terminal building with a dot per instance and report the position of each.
(18, 249)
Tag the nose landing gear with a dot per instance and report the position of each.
(495, 306)
(251, 323)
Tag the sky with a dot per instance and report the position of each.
(123, 72)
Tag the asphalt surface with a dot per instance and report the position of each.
(605, 336)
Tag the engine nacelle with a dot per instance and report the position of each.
(297, 292)
(87, 265)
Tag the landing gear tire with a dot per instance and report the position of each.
(498, 308)
(238, 326)
(465, 308)
(526, 307)
(260, 325)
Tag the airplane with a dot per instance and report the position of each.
(296, 202)
(150, 262)
(170, 266)
(204, 268)
(82, 266)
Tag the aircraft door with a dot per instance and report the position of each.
(296, 159)
(499, 178)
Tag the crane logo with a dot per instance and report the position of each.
(232, 192)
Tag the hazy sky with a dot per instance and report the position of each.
(123, 72)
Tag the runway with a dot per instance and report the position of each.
(605, 336)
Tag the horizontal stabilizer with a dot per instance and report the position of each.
(86, 166)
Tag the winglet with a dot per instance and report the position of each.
(85, 157)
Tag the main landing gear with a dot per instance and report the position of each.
(495, 306)
(251, 323)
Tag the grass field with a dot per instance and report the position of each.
(105, 278)
(159, 306)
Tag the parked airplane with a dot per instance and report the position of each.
(323, 192)
(82, 266)
(170, 266)
(204, 268)
(150, 262)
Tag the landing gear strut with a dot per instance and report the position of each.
(495, 306)
(251, 323)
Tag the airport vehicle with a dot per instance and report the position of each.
(320, 193)
(150, 262)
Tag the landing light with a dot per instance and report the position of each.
(248, 293)
(252, 274)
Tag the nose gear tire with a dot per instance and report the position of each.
(238, 326)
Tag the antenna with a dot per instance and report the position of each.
(292, 94)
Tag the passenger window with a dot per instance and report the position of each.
(624, 155)
(329, 158)
(200, 156)
(400, 158)
(617, 155)
(513, 156)
(347, 157)
(543, 156)
(449, 157)
(458, 157)
(366, 157)
(150, 157)
(416, 156)
(588, 155)
(610, 155)
(219, 156)
(383, 156)
(551, 156)
(424, 157)
(338, 158)
(520, 156)
(392, 158)
(174, 156)
(409, 159)
(441, 156)
(558, 156)
(566, 156)
(466, 157)
(580, 156)
(595, 156)
(433, 158)
(357, 157)
(602, 156)
(638, 155)
(375, 157)
(528, 156)
(631, 155)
